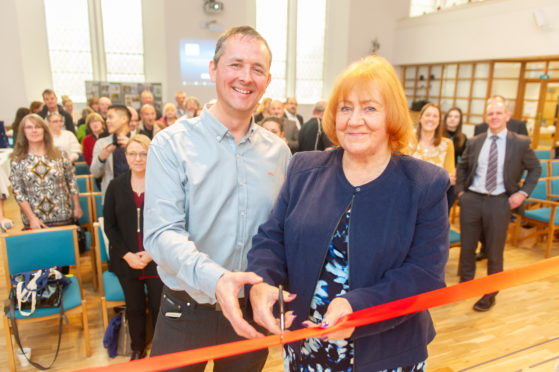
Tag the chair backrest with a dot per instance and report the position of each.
(100, 242)
(540, 191)
(97, 205)
(80, 158)
(545, 168)
(543, 154)
(85, 204)
(81, 168)
(554, 186)
(554, 168)
(83, 183)
(39, 249)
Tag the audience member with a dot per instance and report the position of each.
(42, 178)
(20, 114)
(311, 135)
(68, 106)
(35, 107)
(388, 209)
(104, 104)
(148, 126)
(123, 212)
(51, 105)
(487, 184)
(96, 128)
(514, 125)
(93, 103)
(146, 98)
(291, 112)
(453, 130)
(82, 127)
(274, 125)
(180, 98)
(192, 107)
(289, 126)
(109, 160)
(65, 140)
(429, 144)
(133, 119)
(263, 110)
(169, 115)
(5, 222)
(221, 174)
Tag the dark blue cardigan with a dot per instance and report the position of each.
(398, 246)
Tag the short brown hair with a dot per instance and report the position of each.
(245, 31)
(372, 71)
(94, 116)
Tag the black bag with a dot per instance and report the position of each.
(81, 239)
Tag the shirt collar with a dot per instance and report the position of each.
(501, 135)
(218, 129)
(290, 116)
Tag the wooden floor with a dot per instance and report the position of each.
(521, 333)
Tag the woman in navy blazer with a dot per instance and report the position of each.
(352, 228)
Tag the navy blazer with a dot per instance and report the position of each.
(398, 246)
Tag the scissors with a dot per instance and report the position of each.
(282, 310)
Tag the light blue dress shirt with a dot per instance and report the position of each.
(205, 197)
(478, 184)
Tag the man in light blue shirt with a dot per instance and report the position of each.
(210, 182)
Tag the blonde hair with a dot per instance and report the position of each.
(142, 139)
(21, 147)
(94, 116)
(372, 72)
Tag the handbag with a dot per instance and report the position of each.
(35, 289)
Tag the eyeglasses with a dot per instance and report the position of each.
(31, 127)
(134, 155)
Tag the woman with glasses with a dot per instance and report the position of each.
(42, 178)
(123, 214)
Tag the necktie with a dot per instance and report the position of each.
(491, 177)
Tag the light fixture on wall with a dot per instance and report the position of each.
(213, 6)
(541, 20)
(375, 46)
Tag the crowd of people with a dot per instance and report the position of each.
(214, 208)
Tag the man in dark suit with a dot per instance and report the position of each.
(290, 129)
(487, 183)
(291, 112)
(311, 135)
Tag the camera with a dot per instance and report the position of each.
(213, 7)
(115, 140)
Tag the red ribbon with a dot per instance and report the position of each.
(424, 301)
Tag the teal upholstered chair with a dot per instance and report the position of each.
(39, 249)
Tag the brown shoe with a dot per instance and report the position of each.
(485, 303)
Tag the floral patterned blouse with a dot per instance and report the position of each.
(442, 155)
(46, 184)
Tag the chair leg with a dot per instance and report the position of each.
(85, 329)
(94, 270)
(104, 312)
(9, 346)
(550, 234)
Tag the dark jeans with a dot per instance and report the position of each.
(489, 216)
(135, 298)
(187, 325)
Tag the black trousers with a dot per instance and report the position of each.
(187, 325)
(135, 298)
(489, 215)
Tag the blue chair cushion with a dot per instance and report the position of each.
(87, 240)
(71, 298)
(113, 290)
(454, 237)
(542, 214)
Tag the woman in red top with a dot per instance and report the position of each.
(123, 213)
(96, 127)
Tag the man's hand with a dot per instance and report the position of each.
(106, 152)
(262, 298)
(226, 290)
(338, 308)
(516, 200)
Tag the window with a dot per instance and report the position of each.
(297, 43)
(69, 46)
(88, 42)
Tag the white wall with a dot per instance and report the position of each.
(487, 30)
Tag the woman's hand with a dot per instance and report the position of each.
(338, 308)
(35, 223)
(78, 213)
(134, 260)
(144, 257)
(262, 298)
(452, 179)
(6, 223)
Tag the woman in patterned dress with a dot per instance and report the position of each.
(42, 178)
(352, 228)
(429, 144)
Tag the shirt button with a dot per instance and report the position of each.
(240, 243)
(242, 213)
(358, 189)
(241, 183)
(238, 156)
